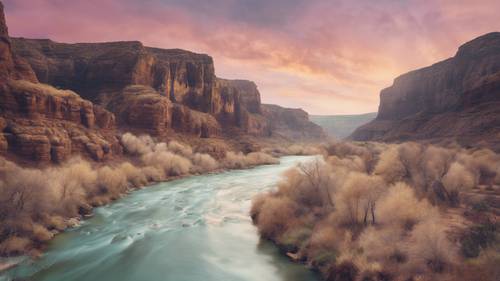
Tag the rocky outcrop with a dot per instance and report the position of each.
(141, 107)
(43, 124)
(291, 123)
(176, 78)
(237, 103)
(458, 98)
(149, 90)
(188, 121)
(11, 66)
(96, 69)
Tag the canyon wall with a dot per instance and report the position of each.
(42, 124)
(456, 99)
(291, 122)
(58, 100)
(181, 84)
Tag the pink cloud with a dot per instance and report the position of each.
(327, 57)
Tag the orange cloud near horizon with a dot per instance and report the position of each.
(327, 57)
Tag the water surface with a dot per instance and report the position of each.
(192, 229)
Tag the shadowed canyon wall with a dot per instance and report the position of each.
(458, 99)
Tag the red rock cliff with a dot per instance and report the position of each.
(101, 71)
(43, 124)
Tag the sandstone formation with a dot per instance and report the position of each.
(116, 87)
(11, 66)
(290, 122)
(456, 99)
(181, 87)
(42, 124)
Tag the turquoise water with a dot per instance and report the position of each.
(192, 229)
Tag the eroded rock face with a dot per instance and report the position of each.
(142, 107)
(291, 123)
(98, 71)
(457, 98)
(44, 124)
(94, 69)
(149, 90)
(200, 124)
(11, 66)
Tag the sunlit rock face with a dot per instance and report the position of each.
(58, 100)
(183, 92)
(96, 69)
(44, 124)
(455, 98)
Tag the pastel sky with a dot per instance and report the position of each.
(325, 56)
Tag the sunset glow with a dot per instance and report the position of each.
(327, 57)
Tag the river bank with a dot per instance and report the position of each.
(188, 229)
(39, 203)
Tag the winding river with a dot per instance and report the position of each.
(192, 229)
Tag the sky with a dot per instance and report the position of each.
(325, 56)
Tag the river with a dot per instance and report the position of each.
(191, 229)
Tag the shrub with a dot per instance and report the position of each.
(275, 216)
(477, 238)
(345, 271)
(430, 248)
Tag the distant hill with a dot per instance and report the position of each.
(341, 126)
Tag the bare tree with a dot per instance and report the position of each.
(318, 178)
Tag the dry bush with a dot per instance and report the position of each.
(152, 174)
(136, 145)
(357, 198)
(111, 181)
(303, 149)
(14, 245)
(260, 158)
(180, 149)
(390, 166)
(275, 216)
(351, 163)
(134, 175)
(41, 234)
(239, 160)
(204, 163)
(458, 179)
(430, 249)
(257, 203)
(234, 160)
(400, 206)
(170, 164)
(393, 188)
(483, 268)
(436, 161)
(308, 186)
(383, 244)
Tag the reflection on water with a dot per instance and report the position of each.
(191, 229)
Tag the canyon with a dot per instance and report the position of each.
(455, 100)
(342, 126)
(59, 100)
